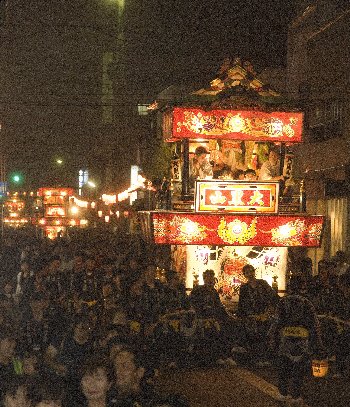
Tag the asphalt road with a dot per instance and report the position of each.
(238, 386)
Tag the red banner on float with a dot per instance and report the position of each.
(233, 124)
(230, 230)
(236, 196)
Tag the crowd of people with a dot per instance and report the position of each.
(91, 322)
(77, 322)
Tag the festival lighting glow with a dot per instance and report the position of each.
(74, 210)
(109, 199)
(80, 203)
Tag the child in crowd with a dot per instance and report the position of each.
(96, 380)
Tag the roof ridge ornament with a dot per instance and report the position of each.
(234, 77)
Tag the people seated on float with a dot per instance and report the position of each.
(270, 170)
(200, 167)
(257, 300)
(220, 169)
(250, 175)
(238, 175)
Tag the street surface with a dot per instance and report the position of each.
(237, 386)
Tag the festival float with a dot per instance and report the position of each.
(222, 222)
(60, 210)
(15, 210)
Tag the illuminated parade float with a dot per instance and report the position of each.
(61, 210)
(232, 202)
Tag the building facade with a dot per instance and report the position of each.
(318, 77)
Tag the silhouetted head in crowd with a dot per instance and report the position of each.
(128, 371)
(48, 391)
(16, 393)
(249, 272)
(296, 284)
(8, 341)
(209, 278)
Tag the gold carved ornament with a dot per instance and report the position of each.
(237, 231)
(290, 234)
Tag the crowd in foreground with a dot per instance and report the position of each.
(86, 324)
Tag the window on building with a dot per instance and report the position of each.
(142, 110)
(325, 119)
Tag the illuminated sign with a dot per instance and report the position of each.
(54, 199)
(55, 211)
(232, 230)
(236, 196)
(55, 191)
(59, 222)
(233, 124)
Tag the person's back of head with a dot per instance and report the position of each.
(296, 284)
(16, 391)
(48, 391)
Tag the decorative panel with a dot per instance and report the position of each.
(235, 230)
(236, 196)
(233, 124)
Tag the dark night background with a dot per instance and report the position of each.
(50, 81)
(182, 40)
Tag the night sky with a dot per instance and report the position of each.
(176, 41)
(50, 89)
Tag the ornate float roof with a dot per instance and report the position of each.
(236, 86)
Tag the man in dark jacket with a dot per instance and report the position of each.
(256, 302)
(294, 335)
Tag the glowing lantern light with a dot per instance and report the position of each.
(93, 205)
(190, 228)
(58, 222)
(107, 218)
(83, 222)
(109, 199)
(99, 213)
(236, 123)
(74, 210)
(73, 222)
(42, 221)
(319, 368)
(80, 203)
(285, 231)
